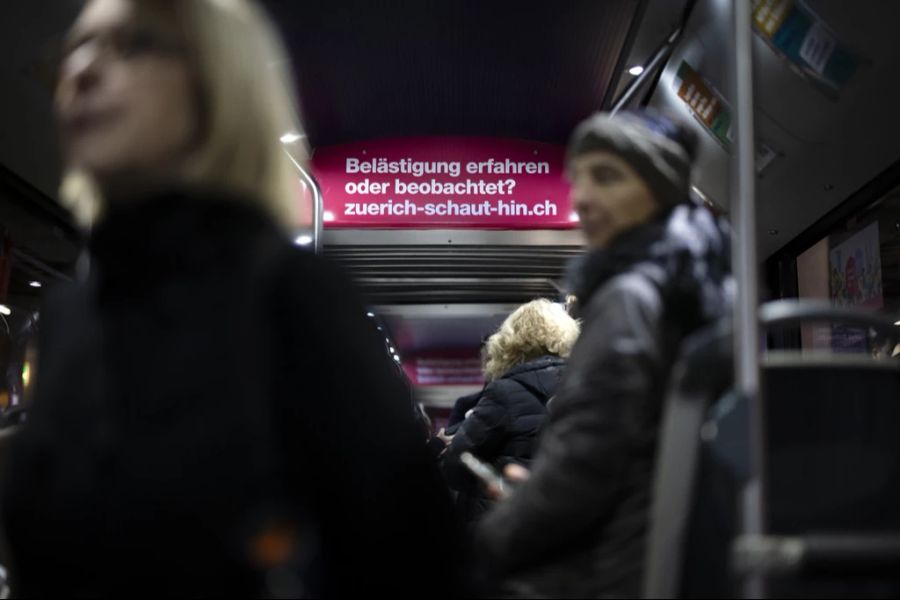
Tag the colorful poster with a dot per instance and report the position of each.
(705, 102)
(768, 15)
(855, 273)
(855, 267)
(444, 182)
(794, 31)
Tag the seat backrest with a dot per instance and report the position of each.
(701, 374)
(833, 451)
(832, 458)
(832, 465)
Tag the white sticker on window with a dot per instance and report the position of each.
(817, 48)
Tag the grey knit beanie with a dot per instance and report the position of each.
(660, 149)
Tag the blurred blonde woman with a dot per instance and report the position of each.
(523, 362)
(195, 430)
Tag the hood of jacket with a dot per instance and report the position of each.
(686, 251)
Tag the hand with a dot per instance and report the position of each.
(445, 439)
(442, 435)
(513, 474)
(516, 473)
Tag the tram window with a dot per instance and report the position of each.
(857, 264)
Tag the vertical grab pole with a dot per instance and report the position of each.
(743, 180)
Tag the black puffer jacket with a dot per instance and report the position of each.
(576, 528)
(460, 409)
(502, 428)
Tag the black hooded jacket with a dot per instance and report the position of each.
(576, 528)
(503, 427)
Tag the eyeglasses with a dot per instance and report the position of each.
(121, 44)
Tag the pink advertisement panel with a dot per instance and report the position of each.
(430, 182)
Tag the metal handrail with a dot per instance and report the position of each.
(792, 313)
(658, 60)
(318, 208)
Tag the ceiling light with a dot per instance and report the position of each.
(303, 240)
(397, 358)
(5, 310)
(290, 137)
(368, 314)
(636, 70)
(897, 323)
(35, 284)
(392, 350)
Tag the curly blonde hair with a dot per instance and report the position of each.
(535, 329)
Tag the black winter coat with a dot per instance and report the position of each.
(460, 409)
(210, 392)
(503, 428)
(576, 528)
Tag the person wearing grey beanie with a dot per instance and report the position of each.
(661, 151)
(656, 270)
(636, 164)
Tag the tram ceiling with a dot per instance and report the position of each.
(506, 68)
(523, 69)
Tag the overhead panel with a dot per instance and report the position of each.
(451, 274)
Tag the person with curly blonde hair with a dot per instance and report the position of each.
(523, 362)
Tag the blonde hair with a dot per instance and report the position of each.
(535, 329)
(246, 104)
